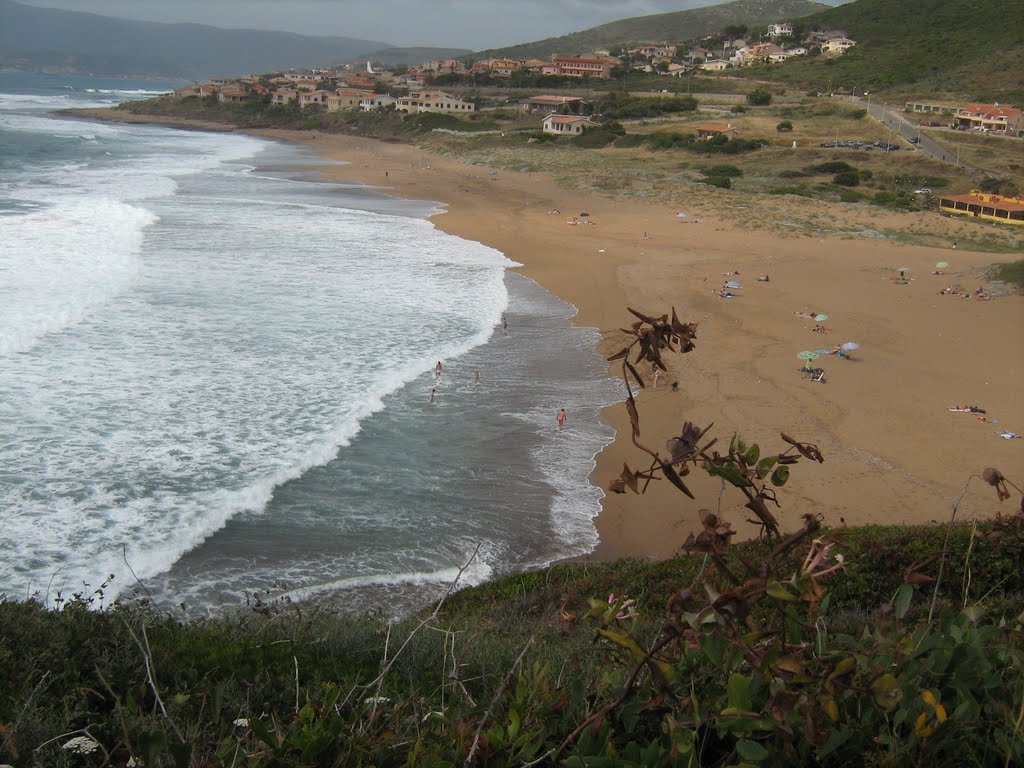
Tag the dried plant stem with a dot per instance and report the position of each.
(505, 685)
(945, 542)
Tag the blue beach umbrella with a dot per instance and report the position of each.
(733, 284)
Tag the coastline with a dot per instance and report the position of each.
(894, 453)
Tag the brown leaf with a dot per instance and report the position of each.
(675, 479)
(645, 318)
(620, 354)
(636, 375)
(634, 416)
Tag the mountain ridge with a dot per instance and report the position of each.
(674, 26)
(48, 39)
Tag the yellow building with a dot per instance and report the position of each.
(982, 205)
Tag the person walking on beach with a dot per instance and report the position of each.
(657, 375)
(432, 400)
(504, 324)
(438, 369)
(476, 378)
(561, 417)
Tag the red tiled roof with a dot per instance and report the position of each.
(990, 110)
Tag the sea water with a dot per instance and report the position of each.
(215, 370)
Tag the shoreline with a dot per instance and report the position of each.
(894, 454)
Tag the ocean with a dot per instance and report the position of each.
(215, 369)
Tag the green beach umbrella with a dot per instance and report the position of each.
(808, 356)
(942, 265)
(820, 318)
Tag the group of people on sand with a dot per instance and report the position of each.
(979, 294)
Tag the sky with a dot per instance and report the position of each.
(472, 24)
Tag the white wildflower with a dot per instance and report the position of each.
(375, 700)
(82, 745)
(241, 722)
(132, 763)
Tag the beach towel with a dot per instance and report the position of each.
(1010, 435)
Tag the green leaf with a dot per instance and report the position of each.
(753, 454)
(780, 476)
(751, 750)
(739, 691)
(901, 603)
(513, 724)
(714, 648)
(779, 592)
(835, 740)
(765, 465)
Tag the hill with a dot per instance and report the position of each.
(396, 57)
(46, 39)
(966, 48)
(676, 26)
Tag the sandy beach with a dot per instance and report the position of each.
(894, 451)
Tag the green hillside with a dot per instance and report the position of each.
(677, 26)
(967, 48)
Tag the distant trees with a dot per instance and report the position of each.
(759, 98)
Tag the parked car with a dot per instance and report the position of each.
(922, 191)
(914, 139)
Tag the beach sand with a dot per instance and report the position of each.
(893, 451)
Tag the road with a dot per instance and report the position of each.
(899, 125)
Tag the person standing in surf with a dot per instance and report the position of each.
(438, 369)
(432, 400)
(561, 418)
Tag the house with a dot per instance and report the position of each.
(837, 46)
(345, 99)
(756, 53)
(232, 96)
(823, 36)
(220, 82)
(284, 96)
(313, 98)
(568, 66)
(193, 90)
(699, 54)
(306, 84)
(780, 30)
(552, 105)
(715, 65)
(566, 125)
(714, 130)
(989, 207)
(503, 67)
(376, 101)
(930, 108)
(677, 70)
(990, 118)
(433, 101)
(443, 67)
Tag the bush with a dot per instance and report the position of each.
(759, 98)
(595, 138)
(1010, 272)
(847, 179)
(852, 196)
(722, 170)
(723, 182)
(784, 127)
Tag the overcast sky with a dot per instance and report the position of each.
(473, 24)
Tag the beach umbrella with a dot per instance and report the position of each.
(493, 173)
(823, 351)
(820, 318)
(850, 346)
(584, 213)
(807, 355)
(902, 270)
(733, 284)
(942, 265)
(681, 215)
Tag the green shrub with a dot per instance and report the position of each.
(595, 138)
(847, 179)
(759, 98)
(724, 182)
(722, 170)
(852, 196)
(784, 127)
(631, 140)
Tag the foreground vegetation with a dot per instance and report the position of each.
(873, 646)
(512, 667)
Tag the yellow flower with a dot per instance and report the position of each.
(929, 698)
